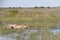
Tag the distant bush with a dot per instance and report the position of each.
(20, 7)
(36, 7)
(42, 7)
(13, 13)
(9, 7)
(48, 7)
(39, 7)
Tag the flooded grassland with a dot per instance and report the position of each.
(43, 23)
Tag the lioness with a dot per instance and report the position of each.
(12, 26)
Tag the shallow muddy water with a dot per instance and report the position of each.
(27, 34)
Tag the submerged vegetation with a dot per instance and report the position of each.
(40, 34)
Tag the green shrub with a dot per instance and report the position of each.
(13, 13)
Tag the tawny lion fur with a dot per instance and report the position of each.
(12, 26)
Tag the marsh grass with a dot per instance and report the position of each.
(32, 17)
(4, 31)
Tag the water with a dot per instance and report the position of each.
(26, 34)
(23, 36)
(55, 30)
(6, 38)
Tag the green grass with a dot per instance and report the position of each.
(4, 31)
(32, 17)
(32, 21)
